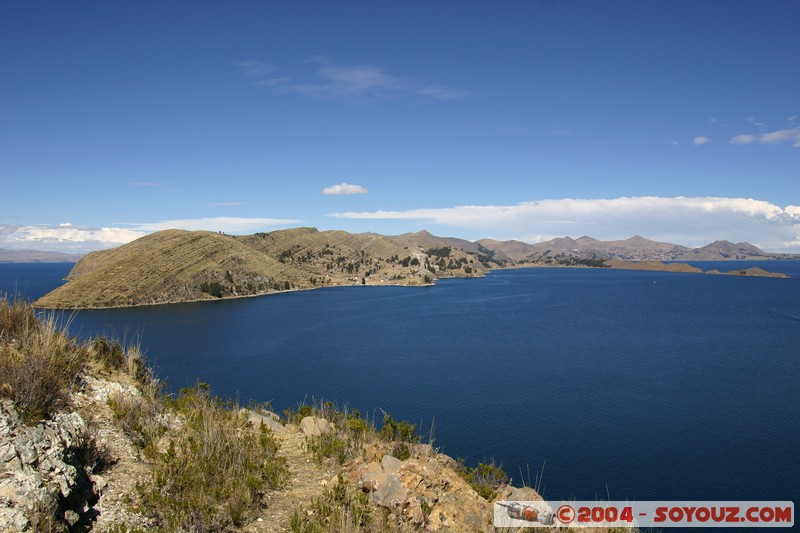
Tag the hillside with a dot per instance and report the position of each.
(179, 266)
(167, 266)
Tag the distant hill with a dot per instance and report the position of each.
(177, 266)
(636, 248)
(36, 256)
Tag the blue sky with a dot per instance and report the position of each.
(679, 120)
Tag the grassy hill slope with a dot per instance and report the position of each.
(178, 266)
(169, 266)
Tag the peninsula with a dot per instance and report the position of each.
(180, 266)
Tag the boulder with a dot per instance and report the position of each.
(268, 419)
(384, 487)
(314, 427)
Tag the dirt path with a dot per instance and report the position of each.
(308, 481)
(118, 494)
(117, 484)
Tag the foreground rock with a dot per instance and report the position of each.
(426, 492)
(43, 471)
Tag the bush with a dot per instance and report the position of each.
(342, 507)
(108, 352)
(347, 433)
(39, 365)
(485, 478)
(138, 418)
(17, 319)
(403, 431)
(215, 468)
(213, 288)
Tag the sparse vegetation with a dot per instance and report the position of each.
(485, 478)
(341, 508)
(215, 468)
(439, 251)
(138, 417)
(583, 261)
(350, 432)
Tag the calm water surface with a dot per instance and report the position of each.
(641, 385)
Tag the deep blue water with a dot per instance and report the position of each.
(623, 384)
(31, 280)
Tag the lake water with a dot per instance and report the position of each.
(620, 384)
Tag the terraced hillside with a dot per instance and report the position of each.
(168, 266)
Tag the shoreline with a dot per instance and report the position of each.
(679, 268)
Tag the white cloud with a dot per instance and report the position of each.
(744, 139)
(363, 83)
(682, 220)
(700, 140)
(781, 136)
(786, 136)
(344, 188)
(673, 142)
(67, 237)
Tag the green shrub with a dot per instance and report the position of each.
(332, 444)
(403, 431)
(485, 478)
(344, 440)
(401, 451)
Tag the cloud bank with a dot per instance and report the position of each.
(680, 220)
(65, 237)
(344, 188)
(71, 238)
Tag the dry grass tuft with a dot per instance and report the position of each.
(39, 364)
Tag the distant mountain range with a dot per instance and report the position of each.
(177, 265)
(36, 256)
(636, 248)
